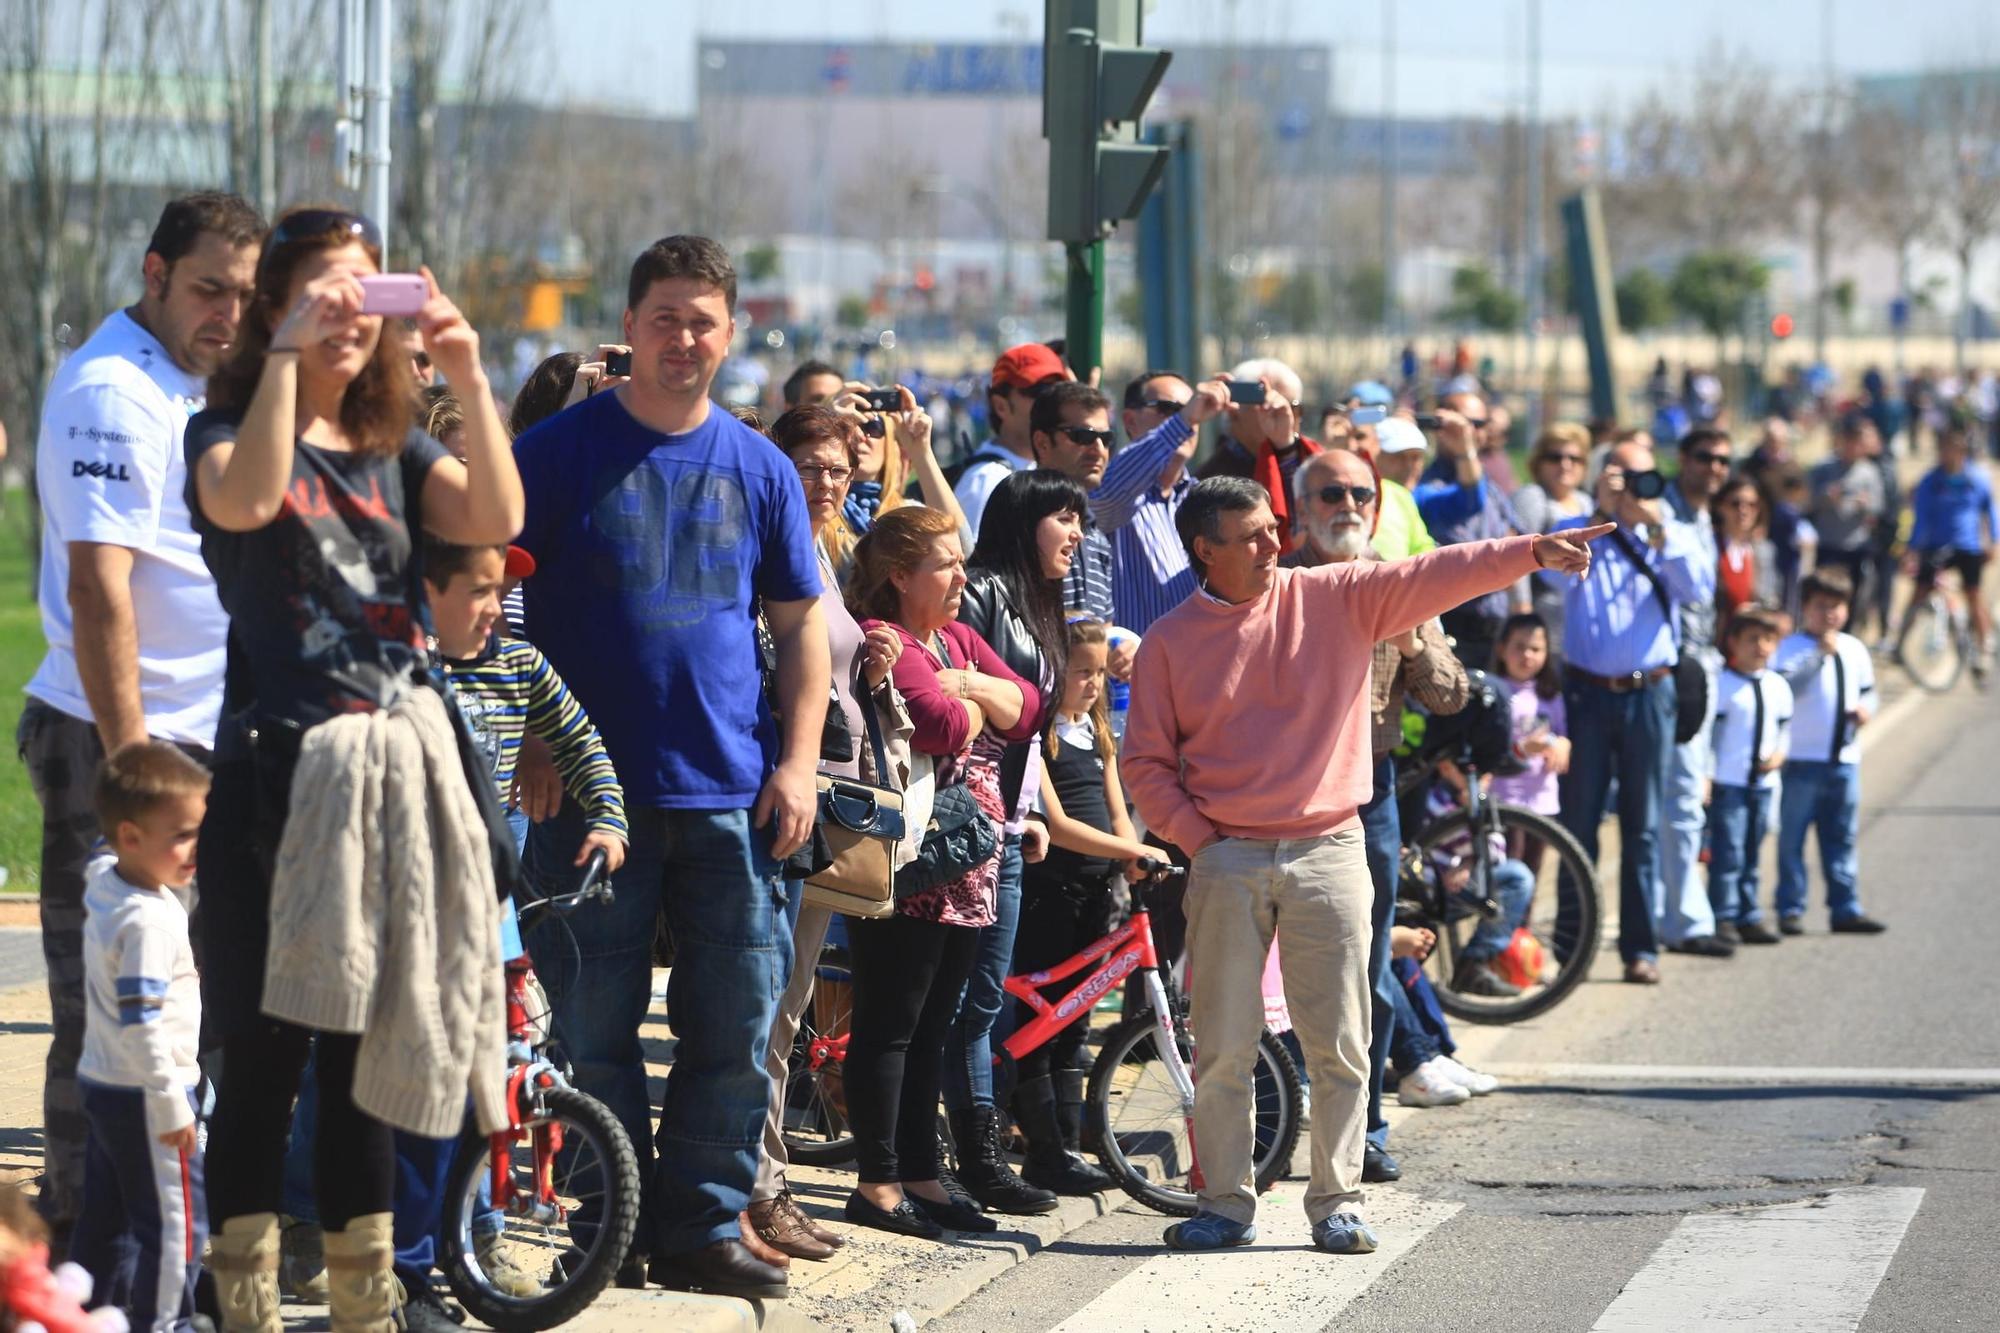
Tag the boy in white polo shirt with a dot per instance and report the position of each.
(1753, 717)
(135, 633)
(1833, 684)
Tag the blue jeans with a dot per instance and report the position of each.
(1629, 736)
(1737, 819)
(1826, 797)
(1382, 840)
(1514, 889)
(968, 1052)
(1414, 1043)
(1684, 903)
(712, 876)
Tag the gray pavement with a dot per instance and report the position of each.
(20, 956)
(1582, 1197)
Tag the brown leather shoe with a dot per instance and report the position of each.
(790, 1204)
(758, 1246)
(1642, 972)
(769, 1225)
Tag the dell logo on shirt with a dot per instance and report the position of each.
(108, 471)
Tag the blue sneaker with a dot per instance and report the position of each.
(1344, 1233)
(1209, 1231)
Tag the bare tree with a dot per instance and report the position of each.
(1881, 151)
(1960, 173)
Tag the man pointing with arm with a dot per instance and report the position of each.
(1216, 763)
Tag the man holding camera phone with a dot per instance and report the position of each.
(1620, 642)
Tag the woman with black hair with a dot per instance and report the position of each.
(1028, 535)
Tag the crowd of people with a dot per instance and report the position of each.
(369, 662)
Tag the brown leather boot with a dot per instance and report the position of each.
(776, 1227)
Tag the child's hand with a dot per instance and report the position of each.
(182, 1140)
(614, 850)
(1556, 754)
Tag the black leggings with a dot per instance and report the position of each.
(1057, 920)
(354, 1154)
(908, 975)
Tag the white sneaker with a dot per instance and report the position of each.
(1471, 1080)
(1429, 1085)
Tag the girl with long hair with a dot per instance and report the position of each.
(310, 487)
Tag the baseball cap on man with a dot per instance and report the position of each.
(518, 564)
(1027, 365)
(1399, 435)
(1372, 393)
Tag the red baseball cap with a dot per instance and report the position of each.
(1027, 365)
(519, 564)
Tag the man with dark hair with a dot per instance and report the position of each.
(812, 383)
(657, 521)
(1069, 426)
(135, 633)
(1685, 916)
(1143, 487)
(1217, 763)
(1018, 374)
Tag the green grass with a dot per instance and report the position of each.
(20, 653)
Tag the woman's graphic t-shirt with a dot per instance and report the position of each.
(319, 599)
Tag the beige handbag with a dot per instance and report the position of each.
(856, 836)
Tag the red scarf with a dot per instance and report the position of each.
(1271, 476)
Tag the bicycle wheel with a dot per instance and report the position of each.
(596, 1173)
(815, 1128)
(1139, 1132)
(1562, 916)
(1930, 645)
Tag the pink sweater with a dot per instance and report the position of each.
(1251, 721)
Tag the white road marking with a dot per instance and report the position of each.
(1788, 1076)
(1279, 1284)
(1800, 1268)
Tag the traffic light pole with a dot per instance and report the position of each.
(1083, 305)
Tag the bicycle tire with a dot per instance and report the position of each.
(1587, 904)
(581, 1280)
(815, 1094)
(1927, 625)
(1279, 1102)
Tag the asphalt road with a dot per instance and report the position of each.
(20, 956)
(1778, 1139)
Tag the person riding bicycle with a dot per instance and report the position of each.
(1949, 509)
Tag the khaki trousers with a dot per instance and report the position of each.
(1317, 894)
(807, 938)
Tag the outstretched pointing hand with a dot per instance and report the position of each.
(1568, 551)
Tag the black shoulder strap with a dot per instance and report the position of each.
(1624, 541)
(864, 699)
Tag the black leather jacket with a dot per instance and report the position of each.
(987, 609)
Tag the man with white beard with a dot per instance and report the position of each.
(1337, 496)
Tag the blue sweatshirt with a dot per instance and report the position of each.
(1947, 509)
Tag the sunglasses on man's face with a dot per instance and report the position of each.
(1363, 496)
(1710, 460)
(1166, 407)
(1085, 436)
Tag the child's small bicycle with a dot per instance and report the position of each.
(1139, 1102)
(562, 1179)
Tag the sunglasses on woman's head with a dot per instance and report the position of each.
(312, 223)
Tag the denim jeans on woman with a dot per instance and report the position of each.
(711, 875)
(968, 1053)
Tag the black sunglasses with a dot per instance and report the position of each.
(1711, 460)
(1166, 407)
(1334, 494)
(312, 223)
(1085, 435)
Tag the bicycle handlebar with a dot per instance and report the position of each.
(593, 885)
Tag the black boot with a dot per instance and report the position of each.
(1051, 1162)
(983, 1169)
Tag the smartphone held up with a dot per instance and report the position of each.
(398, 295)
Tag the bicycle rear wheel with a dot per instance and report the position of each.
(1562, 917)
(1930, 646)
(1139, 1128)
(815, 1128)
(596, 1174)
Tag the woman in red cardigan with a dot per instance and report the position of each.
(909, 968)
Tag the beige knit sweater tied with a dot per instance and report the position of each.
(385, 920)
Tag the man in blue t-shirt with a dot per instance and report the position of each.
(1954, 523)
(660, 526)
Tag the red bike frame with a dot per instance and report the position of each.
(1130, 947)
(528, 1076)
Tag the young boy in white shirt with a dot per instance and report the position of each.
(1833, 686)
(1752, 723)
(143, 1224)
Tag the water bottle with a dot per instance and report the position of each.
(1118, 695)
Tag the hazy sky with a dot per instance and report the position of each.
(1451, 56)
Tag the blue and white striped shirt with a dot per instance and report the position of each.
(1150, 575)
(1612, 621)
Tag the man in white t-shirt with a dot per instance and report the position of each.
(135, 633)
(1018, 376)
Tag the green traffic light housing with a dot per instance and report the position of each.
(1097, 80)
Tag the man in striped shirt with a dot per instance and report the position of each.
(1139, 497)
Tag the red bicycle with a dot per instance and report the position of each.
(1140, 1096)
(560, 1183)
